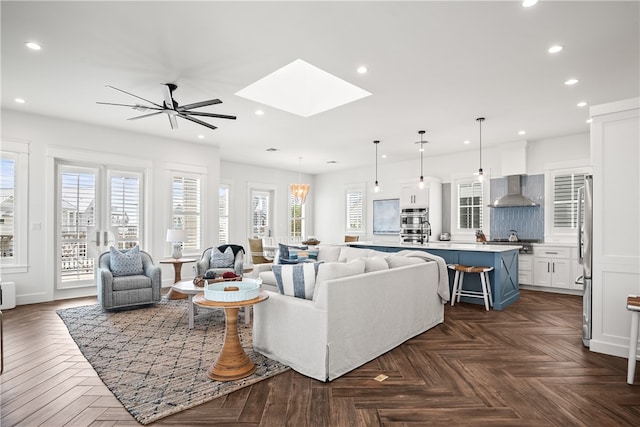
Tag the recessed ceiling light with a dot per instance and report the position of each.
(259, 113)
(303, 89)
(588, 121)
(271, 150)
(200, 136)
(467, 142)
(555, 48)
(20, 100)
(362, 69)
(384, 156)
(582, 104)
(33, 45)
(571, 82)
(529, 3)
(521, 132)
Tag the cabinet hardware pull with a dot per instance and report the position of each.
(551, 253)
(97, 238)
(553, 269)
(548, 268)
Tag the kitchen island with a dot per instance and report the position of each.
(503, 259)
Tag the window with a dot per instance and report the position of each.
(126, 207)
(7, 208)
(186, 208)
(296, 217)
(14, 162)
(260, 213)
(355, 210)
(223, 215)
(565, 199)
(470, 205)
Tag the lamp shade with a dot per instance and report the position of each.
(177, 235)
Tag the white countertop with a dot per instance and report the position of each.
(448, 246)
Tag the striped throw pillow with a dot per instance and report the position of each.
(296, 280)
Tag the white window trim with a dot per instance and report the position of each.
(463, 233)
(361, 187)
(552, 234)
(256, 186)
(290, 217)
(189, 171)
(19, 150)
(229, 187)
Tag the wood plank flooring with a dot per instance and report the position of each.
(524, 366)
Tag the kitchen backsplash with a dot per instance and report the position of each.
(528, 222)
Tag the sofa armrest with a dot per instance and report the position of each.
(259, 268)
(238, 265)
(202, 266)
(105, 287)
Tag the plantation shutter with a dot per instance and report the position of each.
(186, 209)
(565, 199)
(355, 210)
(260, 213)
(126, 209)
(223, 214)
(7, 207)
(296, 217)
(470, 205)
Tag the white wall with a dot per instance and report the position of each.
(329, 196)
(98, 144)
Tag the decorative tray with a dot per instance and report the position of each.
(245, 291)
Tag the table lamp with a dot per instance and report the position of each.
(177, 236)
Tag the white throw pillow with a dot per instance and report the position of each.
(400, 261)
(296, 280)
(219, 259)
(375, 263)
(335, 270)
(348, 253)
(329, 253)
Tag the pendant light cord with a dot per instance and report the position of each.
(480, 120)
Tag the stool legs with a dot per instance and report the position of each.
(456, 285)
(486, 290)
(633, 345)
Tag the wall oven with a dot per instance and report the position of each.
(414, 225)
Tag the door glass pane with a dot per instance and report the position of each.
(260, 213)
(125, 210)
(7, 195)
(186, 209)
(77, 214)
(223, 214)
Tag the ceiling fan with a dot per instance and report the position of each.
(171, 108)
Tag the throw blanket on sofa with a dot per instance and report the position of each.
(234, 249)
(443, 281)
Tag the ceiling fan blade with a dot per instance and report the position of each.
(146, 115)
(200, 122)
(218, 116)
(199, 104)
(173, 121)
(135, 96)
(168, 97)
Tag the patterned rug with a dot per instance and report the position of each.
(152, 363)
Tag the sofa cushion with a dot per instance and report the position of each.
(221, 259)
(297, 280)
(329, 253)
(395, 261)
(336, 270)
(348, 253)
(375, 263)
(130, 283)
(125, 263)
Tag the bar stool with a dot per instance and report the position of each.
(633, 305)
(484, 280)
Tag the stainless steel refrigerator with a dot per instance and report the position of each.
(585, 253)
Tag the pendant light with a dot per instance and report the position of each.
(480, 172)
(376, 188)
(299, 191)
(421, 180)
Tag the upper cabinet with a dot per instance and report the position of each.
(411, 196)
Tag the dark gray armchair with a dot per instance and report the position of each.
(126, 291)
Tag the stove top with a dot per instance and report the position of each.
(526, 245)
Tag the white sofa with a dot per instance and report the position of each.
(352, 320)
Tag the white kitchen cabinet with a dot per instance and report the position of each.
(525, 269)
(553, 267)
(411, 196)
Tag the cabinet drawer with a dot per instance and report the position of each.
(525, 262)
(525, 277)
(552, 251)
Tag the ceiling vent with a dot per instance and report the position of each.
(514, 197)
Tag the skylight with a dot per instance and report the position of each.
(303, 89)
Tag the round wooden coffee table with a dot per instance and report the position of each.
(232, 362)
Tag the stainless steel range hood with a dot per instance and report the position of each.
(514, 197)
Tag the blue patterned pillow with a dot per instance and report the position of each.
(221, 259)
(297, 280)
(293, 254)
(125, 263)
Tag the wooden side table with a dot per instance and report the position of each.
(232, 362)
(177, 269)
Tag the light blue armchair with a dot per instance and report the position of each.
(205, 261)
(126, 291)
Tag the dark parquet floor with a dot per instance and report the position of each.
(524, 366)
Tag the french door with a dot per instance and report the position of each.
(98, 206)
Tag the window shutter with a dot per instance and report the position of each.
(260, 212)
(186, 209)
(223, 214)
(125, 209)
(355, 210)
(7, 207)
(470, 205)
(565, 199)
(296, 217)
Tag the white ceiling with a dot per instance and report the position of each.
(432, 65)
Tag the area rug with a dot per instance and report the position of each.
(151, 361)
